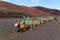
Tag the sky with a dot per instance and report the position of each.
(54, 4)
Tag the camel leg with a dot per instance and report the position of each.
(31, 27)
(18, 28)
(26, 27)
(22, 27)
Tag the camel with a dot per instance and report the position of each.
(20, 25)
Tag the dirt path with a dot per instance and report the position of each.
(48, 31)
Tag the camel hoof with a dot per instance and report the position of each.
(18, 30)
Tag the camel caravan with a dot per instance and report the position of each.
(28, 23)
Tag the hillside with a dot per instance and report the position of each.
(48, 10)
(11, 10)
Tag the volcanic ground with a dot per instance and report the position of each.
(47, 31)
